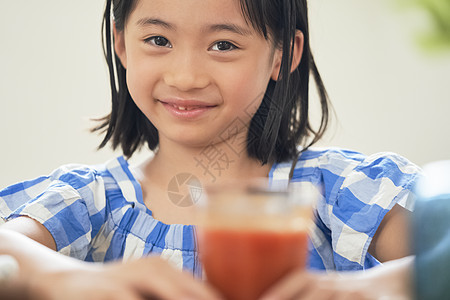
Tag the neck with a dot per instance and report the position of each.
(210, 164)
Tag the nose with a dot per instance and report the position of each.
(186, 72)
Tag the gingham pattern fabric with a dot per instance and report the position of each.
(357, 191)
(96, 213)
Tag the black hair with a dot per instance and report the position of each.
(281, 122)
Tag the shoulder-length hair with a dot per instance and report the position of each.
(281, 122)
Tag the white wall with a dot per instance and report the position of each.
(387, 94)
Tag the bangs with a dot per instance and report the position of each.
(269, 17)
(253, 14)
(121, 12)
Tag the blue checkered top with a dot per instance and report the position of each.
(97, 213)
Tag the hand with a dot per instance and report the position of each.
(388, 281)
(146, 278)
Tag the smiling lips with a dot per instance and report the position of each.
(186, 109)
(179, 107)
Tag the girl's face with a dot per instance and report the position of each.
(195, 67)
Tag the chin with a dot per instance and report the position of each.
(190, 139)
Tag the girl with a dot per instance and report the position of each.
(218, 90)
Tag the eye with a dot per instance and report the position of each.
(223, 46)
(158, 41)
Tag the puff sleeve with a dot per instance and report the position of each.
(70, 203)
(357, 192)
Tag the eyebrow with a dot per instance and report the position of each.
(229, 27)
(210, 28)
(152, 21)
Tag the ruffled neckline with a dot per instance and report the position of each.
(132, 191)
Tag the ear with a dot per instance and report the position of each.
(296, 55)
(119, 46)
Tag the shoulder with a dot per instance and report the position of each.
(66, 183)
(343, 163)
(77, 175)
(82, 175)
(74, 175)
(86, 180)
(346, 175)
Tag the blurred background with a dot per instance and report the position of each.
(386, 65)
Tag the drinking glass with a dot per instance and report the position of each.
(252, 233)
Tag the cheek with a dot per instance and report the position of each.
(246, 86)
(139, 81)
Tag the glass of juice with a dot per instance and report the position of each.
(251, 234)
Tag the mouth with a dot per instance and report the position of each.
(187, 109)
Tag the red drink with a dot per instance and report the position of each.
(242, 264)
(251, 234)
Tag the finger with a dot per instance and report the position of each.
(164, 287)
(318, 293)
(119, 294)
(335, 287)
(289, 287)
(169, 283)
(177, 288)
(197, 289)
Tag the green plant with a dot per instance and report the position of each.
(437, 36)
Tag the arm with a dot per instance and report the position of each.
(394, 277)
(392, 238)
(32, 245)
(32, 229)
(46, 274)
